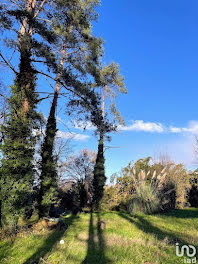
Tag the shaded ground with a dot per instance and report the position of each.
(141, 239)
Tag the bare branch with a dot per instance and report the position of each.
(49, 84)
(38, 61)
(69, 53)
(4, 97)
(15, 3)
(50, 93)
(54, 79)
(40, 8)
(12, 55)
(44, 19)
(109, 147)
(41, 99)
(10, 66)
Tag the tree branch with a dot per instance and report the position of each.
(69, 53)
(44, 19)
(49, 93)
(10, 66)
(49, 84)
(15, 3)
(9, 61)
(54, 79)
(109, 147)
(38, 61)
(40, 8)
(4, 97)
(39, 100)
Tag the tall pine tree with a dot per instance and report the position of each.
(79, 55)
(110, 83)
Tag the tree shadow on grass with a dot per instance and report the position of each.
(48, 244)
(179, 213)
(147, 227)
(95, 249)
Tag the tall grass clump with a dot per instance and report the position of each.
(145, 200)
(150, 194)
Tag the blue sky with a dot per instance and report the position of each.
(155, 43)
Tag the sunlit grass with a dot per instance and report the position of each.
(126, 239)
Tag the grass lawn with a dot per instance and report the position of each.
(126, 239)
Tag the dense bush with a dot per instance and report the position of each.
(113, 199)
(193, 193)
(148, 188)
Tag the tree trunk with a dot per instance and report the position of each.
(103, 101)
(48, 177)
(99, 172)
(99, 169)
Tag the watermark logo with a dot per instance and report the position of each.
(190, 252)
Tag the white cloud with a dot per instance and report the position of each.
(140, 125)
(64, 135)
(83, 125)
(74, 136)
(153, 127)
(191, 128)
(175, 129)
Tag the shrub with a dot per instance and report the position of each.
(176, 179)
(145, 200)
(153, 193)
(113, 199)
(193, 193)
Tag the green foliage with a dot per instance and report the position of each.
(111, 83)
(17, 171)
(177, 179)
(114, 200)
(193, 193)
(5, 20)
(116, 197)
(79, 195)
(71, 23)
(143, 164)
